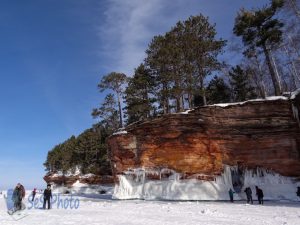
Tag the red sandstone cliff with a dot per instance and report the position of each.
(261, 133)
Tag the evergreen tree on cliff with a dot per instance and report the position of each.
(260, 29)
(240, 83)
(157, 61)
(181, 60)
(202, 49)
(137, 95)
(115, 82)
(218, 91)
(108, 113)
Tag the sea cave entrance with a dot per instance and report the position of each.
(237, 177)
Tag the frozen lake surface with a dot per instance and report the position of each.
(95, 211)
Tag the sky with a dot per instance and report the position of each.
(53, 54)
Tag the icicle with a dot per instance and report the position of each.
(296, 113)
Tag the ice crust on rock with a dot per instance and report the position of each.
(134, 185)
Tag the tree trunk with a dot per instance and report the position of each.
(204, 96)
(165, 99)
(190, 97)
(201, 77)
(166, 105)
(177, 104)
(183, 102)
(120, 110)
(262, 88)
(275, 78)
(203, 91)
(146, 99)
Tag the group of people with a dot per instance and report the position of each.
(19, 194)
(248, 191)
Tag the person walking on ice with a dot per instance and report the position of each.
(47, 196)
(18, 195)
(230, 192)
(33, 194)
(249, 195)
(260, 195)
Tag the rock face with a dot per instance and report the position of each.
(71, 179)
(199, 143)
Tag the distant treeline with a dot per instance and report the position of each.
(87, 152)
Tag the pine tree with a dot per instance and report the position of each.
(259, 29)
(114, 81)
(202, 49)
(108, 113)
(137, 95)
(218, 91)
(182, 59)
(157, 61)
(175, 65)
(240, 83)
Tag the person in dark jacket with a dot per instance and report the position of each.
(298, 192)
(230, 192)
(33, 194)
(47, 196)
(260, 195)
(249, 195)
(18, 195)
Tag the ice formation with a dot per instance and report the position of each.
(135, 185)
(296, 113)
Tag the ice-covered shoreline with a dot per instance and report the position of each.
(134, 185)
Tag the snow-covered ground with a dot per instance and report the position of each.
(106, 211)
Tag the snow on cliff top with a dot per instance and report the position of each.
(120, 131)
(68, 173)
(75, 172)
(271, 98)
(295, 93)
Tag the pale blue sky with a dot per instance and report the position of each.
(54, 52)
